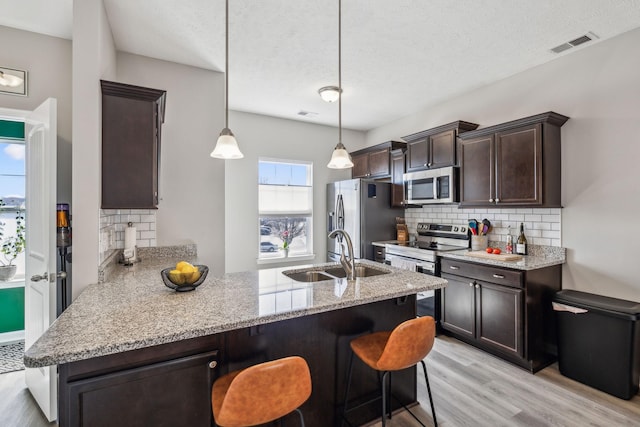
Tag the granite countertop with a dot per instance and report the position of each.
(135, 310)
(554, 256)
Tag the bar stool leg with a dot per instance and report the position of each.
(433, 409)
(389, 395)
(301, 417)
(384, 398)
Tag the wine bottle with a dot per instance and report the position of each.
(509, 247)
(521, 245)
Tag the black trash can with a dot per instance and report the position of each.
(599, 341)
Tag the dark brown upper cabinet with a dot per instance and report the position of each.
(435, 148)
(374, 162)
(513, 164)
(132, 117)
(397, 182)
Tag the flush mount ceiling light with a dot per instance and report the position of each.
(9, 80)
(330, 93)
(227, 146)
(340, 159)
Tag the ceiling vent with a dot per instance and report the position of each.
(309, 114)
(575, 42)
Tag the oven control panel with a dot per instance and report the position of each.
(444, 230)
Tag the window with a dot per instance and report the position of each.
(285, 205)
(12, 195)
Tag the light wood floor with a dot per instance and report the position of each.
(470, 387)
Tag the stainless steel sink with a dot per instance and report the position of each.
(330, 273)
(361, 271)
(308, 276)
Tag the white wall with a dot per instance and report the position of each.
(94, 58)
(599, 89)
(263, 136)
(48, 63)
(191, 208)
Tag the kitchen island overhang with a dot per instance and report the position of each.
(134, 331)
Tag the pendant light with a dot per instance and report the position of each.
(227, 146)
(340, 159)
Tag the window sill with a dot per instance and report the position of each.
(283, 260)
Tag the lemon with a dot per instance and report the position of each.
(182, 265)
(176, 277)
(195, 276)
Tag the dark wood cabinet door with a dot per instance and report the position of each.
(458, 306)
(499, 317)
(171, 393)
(360, 166)
(131, 120)
(442, 149)
(519, 166)
(417, 155)
(379, 163)
(477, 178)
(397, 184)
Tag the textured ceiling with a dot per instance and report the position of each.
(398, 56)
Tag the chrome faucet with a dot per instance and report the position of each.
(348, 263)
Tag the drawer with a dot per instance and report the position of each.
(488, 273)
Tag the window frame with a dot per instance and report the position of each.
(266, 257)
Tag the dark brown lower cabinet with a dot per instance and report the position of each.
(170, 384)
(503, 311)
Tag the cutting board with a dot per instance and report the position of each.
(497, 257)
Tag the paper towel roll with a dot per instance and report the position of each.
(130, 240)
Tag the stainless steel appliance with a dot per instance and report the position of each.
(421, 255)
(432, 186)
(363, 209)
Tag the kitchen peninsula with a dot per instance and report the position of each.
(133, 347)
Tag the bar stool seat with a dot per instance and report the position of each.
(261, 393)
(387, 351)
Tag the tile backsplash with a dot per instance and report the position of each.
(542, 226)
(114, 221)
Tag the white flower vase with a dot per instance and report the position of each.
(7, 272)
(286, 252)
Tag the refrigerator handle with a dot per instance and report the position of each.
(340, 211)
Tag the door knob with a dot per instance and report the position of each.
(61, 275)
(39, 277)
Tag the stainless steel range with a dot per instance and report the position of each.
(421, 255)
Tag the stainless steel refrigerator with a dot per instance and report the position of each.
(363, 209)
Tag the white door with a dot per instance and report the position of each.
(40, 277)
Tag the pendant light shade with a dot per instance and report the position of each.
(226, 146)
(340, 159)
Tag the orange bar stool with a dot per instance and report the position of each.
(388, 351)
(261, 393)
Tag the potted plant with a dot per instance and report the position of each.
(12, 246)
(285, 236)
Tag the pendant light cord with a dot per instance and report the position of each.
(226, 65)
(340, 72)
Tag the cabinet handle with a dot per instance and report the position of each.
(425, 164)
(471, 285)
(379, 252)
(490, 200)
(497, 200)
(429, 164)
(477, 286)
(213, 364)
(498, 276)
(454, 267)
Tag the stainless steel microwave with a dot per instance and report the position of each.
(432, 186)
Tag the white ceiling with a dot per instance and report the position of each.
(398, 56)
